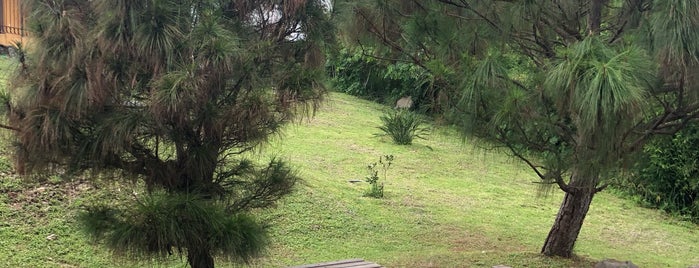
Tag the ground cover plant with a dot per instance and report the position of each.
(472, 208)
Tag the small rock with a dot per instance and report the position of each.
(52, 237)
(502, 266)
(612, 263)
(404, 103)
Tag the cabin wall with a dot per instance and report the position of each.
(11, 22)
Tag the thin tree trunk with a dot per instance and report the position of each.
(595, 20)
(561, 239)
(576, 203)
(199, 258)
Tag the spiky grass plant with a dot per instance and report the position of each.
(402, 126)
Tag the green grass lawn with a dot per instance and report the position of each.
(448, 203)
(7, 67)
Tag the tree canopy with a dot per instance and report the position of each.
(170, 93)
(572, 88)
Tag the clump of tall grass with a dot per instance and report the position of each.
(403, 126)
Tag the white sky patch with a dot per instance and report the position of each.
(268, 16)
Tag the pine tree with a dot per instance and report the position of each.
(170, 93)
(572, 88)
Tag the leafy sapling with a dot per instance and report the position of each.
(375, 187)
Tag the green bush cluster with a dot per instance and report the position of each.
(355, 73)
(667, 175)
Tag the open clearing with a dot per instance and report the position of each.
(449, 203)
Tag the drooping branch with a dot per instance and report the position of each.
(555, 175)
(667, 123)
(364, 54)
(9, 127)
(601, 188)
(466, 5)
(385, 40)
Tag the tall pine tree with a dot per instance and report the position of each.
(572, 88)
(170, 93)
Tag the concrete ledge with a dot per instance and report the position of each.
(351, 263)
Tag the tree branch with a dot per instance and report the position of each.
(601, 188)
(467, 6)
(9, 127)
(557, 177)
(374, 29)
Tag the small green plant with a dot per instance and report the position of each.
(376, 187)
(403, 126)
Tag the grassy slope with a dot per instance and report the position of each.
(448, 204)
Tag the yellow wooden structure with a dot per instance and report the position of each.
(11, 22)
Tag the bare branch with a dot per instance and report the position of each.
(557, 177)
(465, 5)
(9, 127)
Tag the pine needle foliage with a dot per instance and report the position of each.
(571, 88)
(603, 91)
(162, 224)
(170, 93)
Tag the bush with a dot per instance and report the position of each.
(375, 187)
(402, 126)
(667, 175)
(358, 74)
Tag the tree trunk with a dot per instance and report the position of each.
(595, 20)
(561, 239)
(199, 258)
(565, 230)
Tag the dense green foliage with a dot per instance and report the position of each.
(583, 95)
(173, 93)
(160, 223)
(357, 72)
(169, 93)
(667, 175)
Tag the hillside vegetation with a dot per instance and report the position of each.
(449, 203)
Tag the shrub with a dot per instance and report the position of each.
(402, 126)
(376, 187)
(667, 175)
(358, 74)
